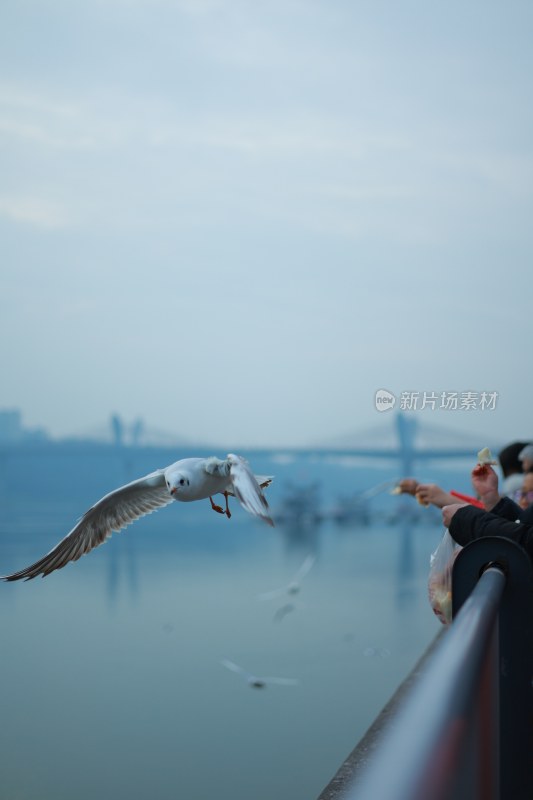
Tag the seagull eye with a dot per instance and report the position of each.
(182, 482)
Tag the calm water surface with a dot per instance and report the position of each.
(111, 684)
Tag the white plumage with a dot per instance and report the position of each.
(186, 480)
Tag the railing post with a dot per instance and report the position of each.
(507, 728)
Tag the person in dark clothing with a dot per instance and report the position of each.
(525, 457)
(500, 516)
(524, 496)
(511, 467)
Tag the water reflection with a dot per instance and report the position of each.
(123, 572)
(405, 586)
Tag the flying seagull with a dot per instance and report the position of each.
(282, 612)
(186, 480)
(253, 680)
(293, 587)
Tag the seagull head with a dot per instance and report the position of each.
(256, 683)
(177, 484)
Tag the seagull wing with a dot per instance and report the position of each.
(235, 668)
(282, 612)
(272, 593)
(112, 513)
(305, 567)
(246, 488)
(262, 480)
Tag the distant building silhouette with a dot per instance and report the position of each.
(12, 431)
(117, 428)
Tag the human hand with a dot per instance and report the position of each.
(449, 511)
(407, 486)
(430, 493)
(485, 482)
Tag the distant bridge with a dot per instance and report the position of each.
(405, 441)
(403, 445)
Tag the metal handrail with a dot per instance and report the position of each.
(463, 730)
(407, 768)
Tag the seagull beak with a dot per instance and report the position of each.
(173, 491)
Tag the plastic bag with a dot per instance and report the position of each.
(440, 577)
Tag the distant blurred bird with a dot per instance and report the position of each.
(282, 612)
(293, 587)
(253, 680)
(186, 480)
(379, 652)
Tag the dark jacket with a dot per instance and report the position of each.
(506, 519)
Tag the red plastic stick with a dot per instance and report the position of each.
(467, 499)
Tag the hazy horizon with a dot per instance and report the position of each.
(239, 222)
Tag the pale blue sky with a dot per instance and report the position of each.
(238, 220)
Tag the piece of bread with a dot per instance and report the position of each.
(485, 457)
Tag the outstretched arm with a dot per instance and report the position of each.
(431, 494)
(467, 523)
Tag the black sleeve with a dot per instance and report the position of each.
(470, 523)
(508, 509)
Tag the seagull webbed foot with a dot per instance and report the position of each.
(219, 509)
(216, 508)
(227, 512)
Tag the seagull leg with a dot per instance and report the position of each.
(227, 512)
(216, 508)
